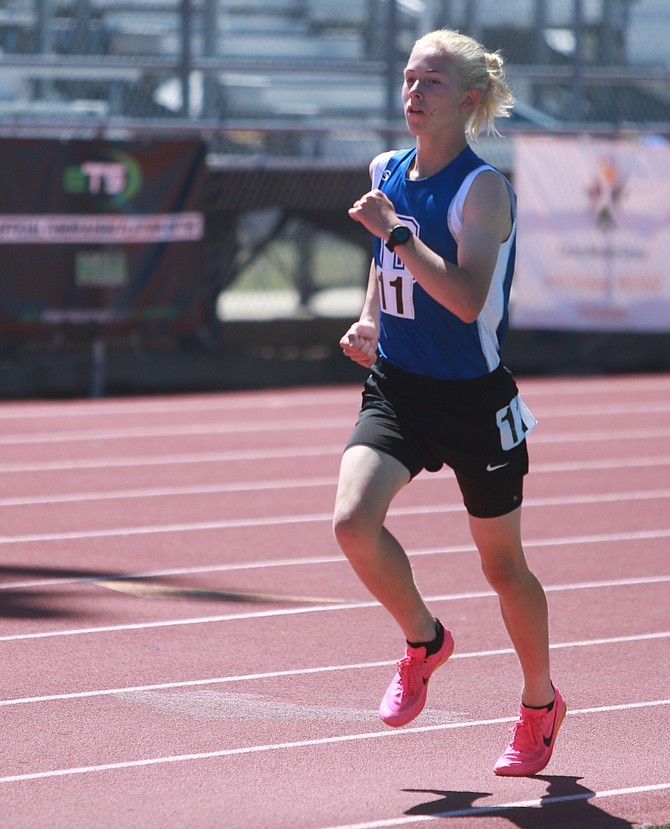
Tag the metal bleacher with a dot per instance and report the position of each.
(272, 60)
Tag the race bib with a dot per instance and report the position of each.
(395, 282)
(396, 293)
(515, 421)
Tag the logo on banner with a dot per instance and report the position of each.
(117, 178)
(595, 250)
(606, 192)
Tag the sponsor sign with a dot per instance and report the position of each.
(100, 233)
(593, 249)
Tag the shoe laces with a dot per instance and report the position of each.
(525, 732)
(409, 671)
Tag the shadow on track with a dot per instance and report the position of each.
(31, 603)
(565, 803)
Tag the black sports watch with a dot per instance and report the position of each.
(399, 236)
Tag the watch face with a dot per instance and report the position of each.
(400, 234)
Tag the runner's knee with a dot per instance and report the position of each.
(505, 572)
(353, 529)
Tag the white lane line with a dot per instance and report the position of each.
(322, 741)
(184, 430)
(358, 666)
(167, 492)
(597, 464)
(474, 811)
(166, 406)
(249, 425)
(309, 561)
(155, 529)
(347, 394)
(310, 518)
(308, 483)
(326, 608)
(295, 424)
(318, 450)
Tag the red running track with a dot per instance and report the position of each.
(183, 645)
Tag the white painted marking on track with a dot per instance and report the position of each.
(167, 492)
(603, 409)
(594, 465)
(474, 811)
(225, 402)
(307, 483)
(327, 608)
(562, 541)
(309, 518)
(250, 425)
(324, 669)
(321, 741)
(156, 529)
(186, 430)
(288, 399)
(316, 451)
(294, 424)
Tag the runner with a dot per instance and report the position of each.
(444, 228)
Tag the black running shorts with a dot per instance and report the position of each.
(476, 427)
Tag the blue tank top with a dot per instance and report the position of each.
(417, 333)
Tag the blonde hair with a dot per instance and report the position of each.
(477, 69)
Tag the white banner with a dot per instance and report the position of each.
(593, 249)
(71, 228)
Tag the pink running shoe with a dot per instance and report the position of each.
(406, 695)
(533, 738)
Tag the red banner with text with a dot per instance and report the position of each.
(100, 234)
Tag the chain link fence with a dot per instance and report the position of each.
(298, 95)
(237, 68)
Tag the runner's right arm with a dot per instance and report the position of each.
(360, 341)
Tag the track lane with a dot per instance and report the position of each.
(616, 536)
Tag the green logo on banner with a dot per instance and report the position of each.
(118, 177)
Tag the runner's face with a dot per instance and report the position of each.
(432, 92)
